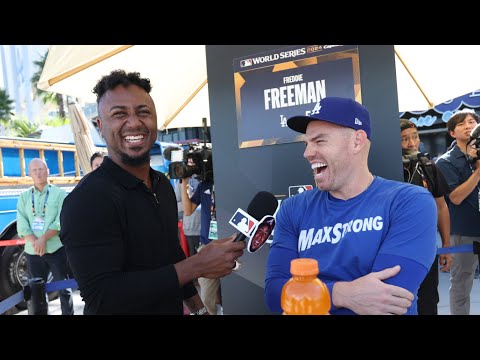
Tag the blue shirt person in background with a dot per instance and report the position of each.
(462, 173)
(374, 239)
(210, 290)
(38, 221)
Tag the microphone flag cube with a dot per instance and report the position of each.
(243, 222)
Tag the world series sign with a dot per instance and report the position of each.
(273, 86)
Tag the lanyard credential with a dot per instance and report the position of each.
(44, 203)
(213, 230)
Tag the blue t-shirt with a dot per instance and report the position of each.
(203, 196)
(351, 238)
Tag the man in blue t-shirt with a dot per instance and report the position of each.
(374, 239)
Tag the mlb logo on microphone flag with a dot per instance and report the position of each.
(243, 222)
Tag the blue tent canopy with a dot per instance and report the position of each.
(442, 112)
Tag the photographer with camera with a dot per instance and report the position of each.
(190, 223)
(419, 170)
(198, 163)
(461, 167)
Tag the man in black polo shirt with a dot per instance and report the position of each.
(423, 172)
(119, 225)
(462, 171)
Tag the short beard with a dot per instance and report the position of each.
(136, 161)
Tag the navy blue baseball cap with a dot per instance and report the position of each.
(336, 110)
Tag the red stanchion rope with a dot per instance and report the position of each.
(12, 242)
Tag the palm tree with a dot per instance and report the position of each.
(6, 107)
(21, 127)
(47, 97)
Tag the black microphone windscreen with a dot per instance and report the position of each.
(264, 203)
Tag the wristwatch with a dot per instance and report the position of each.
(201, 311)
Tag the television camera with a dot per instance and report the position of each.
(196, 160)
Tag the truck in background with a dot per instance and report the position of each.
(65, 171)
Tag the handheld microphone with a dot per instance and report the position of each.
(264, 203)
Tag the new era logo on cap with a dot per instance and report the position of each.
(336, 110)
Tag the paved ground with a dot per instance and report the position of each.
(444, 304)
(54, 306)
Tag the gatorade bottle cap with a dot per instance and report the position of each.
(304, 267)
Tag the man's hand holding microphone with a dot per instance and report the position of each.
(217, 259)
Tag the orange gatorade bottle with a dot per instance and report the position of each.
(305, 293)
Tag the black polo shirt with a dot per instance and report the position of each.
(122, 240)
(464, 218)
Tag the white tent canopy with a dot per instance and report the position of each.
(427, 75)
(442, 72)
(178, 74)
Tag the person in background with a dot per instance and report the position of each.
(96, 159)
(38, 222)
(192, 224)
(374, 239)
(210, 290)
(461, 168)
(423, 172)
(126, 255)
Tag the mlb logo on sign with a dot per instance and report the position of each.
(246, 62)
(243, 222)
(298, 189)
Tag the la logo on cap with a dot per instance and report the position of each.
(316, 109)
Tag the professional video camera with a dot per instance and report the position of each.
(196, 160)
(411, 156)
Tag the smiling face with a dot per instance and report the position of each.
(261, 235)
(128, 123)
(327, 150)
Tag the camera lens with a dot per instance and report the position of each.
(183, 171)
(179, 170)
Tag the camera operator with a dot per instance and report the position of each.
(199, 164)
(418, 169)
(461, 168)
